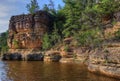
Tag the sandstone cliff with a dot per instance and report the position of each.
(25, 41)
(26, 31)
(25, 35)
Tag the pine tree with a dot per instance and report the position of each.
(46, 8)
(72, 10)
(33, 6)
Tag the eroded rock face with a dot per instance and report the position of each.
(26, 31)
(106, 62)
(52, 56)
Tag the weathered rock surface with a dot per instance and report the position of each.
(106, 62)
(110, 31)
(52, 56)
(82, 54)
(25, 35)
(117, 16)
(25, 41)
(26, 31)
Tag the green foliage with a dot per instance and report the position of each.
(72, 11)
(46, 8)
(84, 19)
(88, 38)
(114, 22)
(3, 42)
(33, 6)
(4, 49)
(81, 19)
(107, 6)
(117, 34)
(66, 48)
(47, 42)
(106, 51)
(87, 12)
(51, 39)
(55, 36)
(15, 42)
(74, 56)
(50, 8)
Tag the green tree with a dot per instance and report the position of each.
(83, 17)
(73, 11)
(46, 8)
(55, 36)
(3, 42)
(51, 6)
(59, 18)
(47, 42)
(33, 6)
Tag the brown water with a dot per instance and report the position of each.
(41, 71)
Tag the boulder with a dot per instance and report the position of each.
(10, 56)
(35, 57)
(52, 56)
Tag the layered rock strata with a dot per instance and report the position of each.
(25, 35)
(26, 31)
(106, 62)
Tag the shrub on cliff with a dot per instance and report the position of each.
(117, 35)
(3, 42)
(16, 43)
(89, 38)
(47, 42)
(50, 39)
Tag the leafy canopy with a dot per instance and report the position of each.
(33, 6)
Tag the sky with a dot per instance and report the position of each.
(9, 8)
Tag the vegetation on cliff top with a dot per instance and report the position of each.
(85, 20)
(33, 6)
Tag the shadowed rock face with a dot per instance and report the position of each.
(26, 31)
(10, 56)
(117, 16)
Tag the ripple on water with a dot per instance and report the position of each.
(41, 71)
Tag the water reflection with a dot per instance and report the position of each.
(41, 71)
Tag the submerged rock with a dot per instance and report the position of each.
(35, 57)
(10, 56)
(17, 56)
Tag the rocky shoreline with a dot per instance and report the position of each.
(25, 44)
(105, 61)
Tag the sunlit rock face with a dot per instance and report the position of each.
(26, 31)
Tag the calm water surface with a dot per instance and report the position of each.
(41, 71)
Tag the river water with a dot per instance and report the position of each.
(42, 71)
